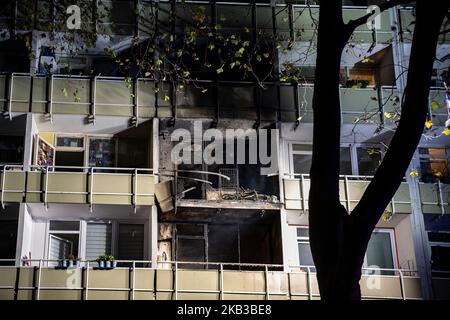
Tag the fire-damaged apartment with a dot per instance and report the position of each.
(122, 184)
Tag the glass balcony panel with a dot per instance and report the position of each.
(86, 12)
(264, 20)
(196, 101)
(147, 18)
(114, 98)
(268, 102)
(237, 101)
(14, 181)
(438, 107)
(190, 16)
(164, 21)
(70, 96)
(20, 93)
(234, 18)
(116, 17)
(305, 18)
(429, 197)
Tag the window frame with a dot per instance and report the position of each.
(390, 231)
(420, 157)
(82, 235)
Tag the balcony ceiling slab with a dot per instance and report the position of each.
(79, 124)
(80, 211)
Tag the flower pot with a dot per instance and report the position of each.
(64, 263)
(70, 264)
(101, 264)
(77, 263)
(108, 264)
(114, 264)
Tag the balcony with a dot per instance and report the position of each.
(173, 281)
(435, 197)
(87, 185)
(296, 193)
(407, 17)
(137, 99)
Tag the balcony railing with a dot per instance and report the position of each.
(82, 185)
(179, 280)
(297, 186)
(435, 197)
(295, 21)
(137, 99)
(408, 18)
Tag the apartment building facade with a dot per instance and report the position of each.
(87, 164)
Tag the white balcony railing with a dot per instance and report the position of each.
(183, 280)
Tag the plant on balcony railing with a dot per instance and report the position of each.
(106, 262)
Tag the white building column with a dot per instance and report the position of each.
(419, 233)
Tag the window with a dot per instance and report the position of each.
(438, 228)
(380, 253)
(63, 239)
(304, 249)
(369, 158)
(131, 242)
(302, 159)
(434, 164)
(98, 240)
(380, 250)
(345, 161)
(101, 152)
(69, 142)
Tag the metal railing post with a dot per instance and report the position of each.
(441, 198)
(135, 190)
(302, 191)
(308, 278)
(136, 101)
(50, 109)
(11, 83)
(266, 280)
(402, 284)
(87, 281)
(221, 282)
(133, 280)
(91, 188)
(46, 189)
(39, 279)
(3, 187)
(175, 281)
(347, 193)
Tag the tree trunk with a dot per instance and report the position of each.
(339, 240)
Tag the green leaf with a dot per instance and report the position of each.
(220, 70)
(435, 105)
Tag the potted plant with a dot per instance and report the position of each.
(63, 263)
(101, 261)
(77, 262)
(71, 259)
(113, 262)
(109, 261)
